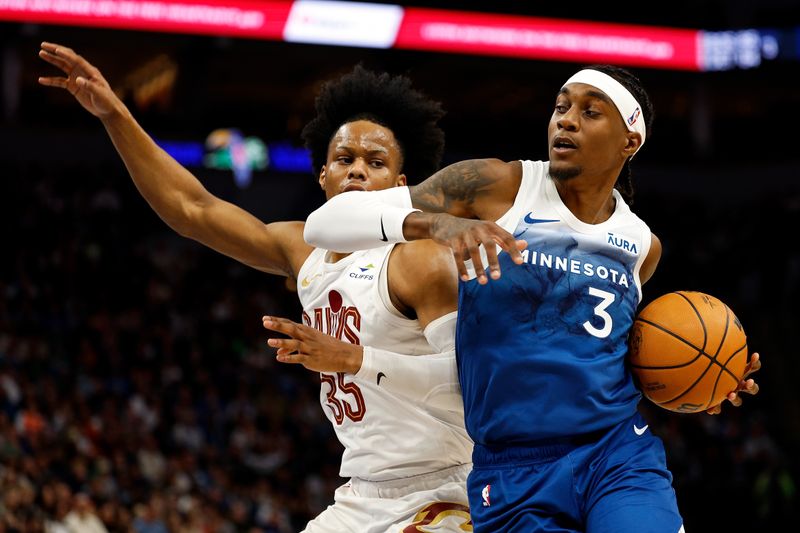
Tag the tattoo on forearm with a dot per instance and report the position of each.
(457, 183)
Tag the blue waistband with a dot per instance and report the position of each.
(543, 450)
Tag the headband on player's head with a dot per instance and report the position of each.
(626, 104)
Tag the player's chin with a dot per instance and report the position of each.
(564, 170)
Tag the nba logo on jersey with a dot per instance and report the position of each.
(485, 495)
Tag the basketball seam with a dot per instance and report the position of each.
(700, 352)
(723, 366)
(690, 387)
(699, 317)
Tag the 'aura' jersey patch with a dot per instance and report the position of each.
(541, 350)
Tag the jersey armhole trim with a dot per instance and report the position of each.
(394, 314)
(647, 241)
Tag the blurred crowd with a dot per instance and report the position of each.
(137, 393)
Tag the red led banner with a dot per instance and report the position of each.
(552, 39)
(243, 18)
(380, 26)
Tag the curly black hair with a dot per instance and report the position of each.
(384, 99)
(628, 80)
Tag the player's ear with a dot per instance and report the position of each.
(323, 174)
(401, 180)
(633, 141)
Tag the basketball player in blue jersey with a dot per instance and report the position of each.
(399, 418)
(549, 402)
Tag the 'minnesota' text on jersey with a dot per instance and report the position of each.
(540, 351)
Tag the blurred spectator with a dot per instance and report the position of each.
(82, 518)
(149, 517)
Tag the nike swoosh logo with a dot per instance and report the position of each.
(530, 220)
(306, 282)
(640, 431)
(383, 232)
(380, 375)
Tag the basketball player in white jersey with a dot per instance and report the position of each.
(399, 417)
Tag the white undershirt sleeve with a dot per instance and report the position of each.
(429, 379)
(359, 220)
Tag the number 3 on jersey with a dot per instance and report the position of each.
(606, 299)
(342, 408)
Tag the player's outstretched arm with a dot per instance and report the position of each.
(457, 205)
(431, 378)
(173, 192)
(747, 385)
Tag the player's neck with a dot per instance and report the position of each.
(591, 203)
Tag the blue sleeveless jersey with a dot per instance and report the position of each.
(541, 351)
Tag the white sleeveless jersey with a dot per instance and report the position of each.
(385, 436)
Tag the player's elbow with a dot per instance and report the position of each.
(187, 219)
(311, 232)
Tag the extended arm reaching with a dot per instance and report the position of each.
(452, 200)
(172, 191)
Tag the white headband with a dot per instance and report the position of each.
(626, 104)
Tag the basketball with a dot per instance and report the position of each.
(688, 351)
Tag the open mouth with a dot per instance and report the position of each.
(563, 143)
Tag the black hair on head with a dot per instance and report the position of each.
(386, 100)
(628, 80)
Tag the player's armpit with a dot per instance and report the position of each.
(423, 280)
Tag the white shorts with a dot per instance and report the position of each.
(435, 502)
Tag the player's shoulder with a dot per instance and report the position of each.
(491, 168)
(289, 237)
(505, 169)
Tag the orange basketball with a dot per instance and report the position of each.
(687, 351)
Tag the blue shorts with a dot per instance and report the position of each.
(607, 482)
